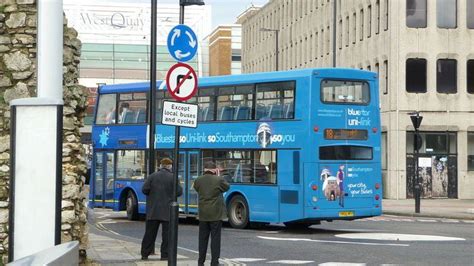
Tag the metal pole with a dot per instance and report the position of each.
(334, 21)
(417, 189)
(276, 48)
(174, 206)
(152, 101)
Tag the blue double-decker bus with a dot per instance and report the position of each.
(297, 147)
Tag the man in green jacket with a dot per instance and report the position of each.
(212, 210)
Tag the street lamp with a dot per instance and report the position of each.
(416, 119)
(276, 44)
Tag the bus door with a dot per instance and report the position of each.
(104, 179)
(188, 172)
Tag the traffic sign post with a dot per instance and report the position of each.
(181, 82)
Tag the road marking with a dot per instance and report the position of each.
(426, 221)
(333, 263)
(291, 261)
(247, 259)
(449, 221)
(329, 241)
(398, 237)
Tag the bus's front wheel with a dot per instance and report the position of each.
(238, 212)
(132, 206)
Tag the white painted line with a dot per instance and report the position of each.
(341, 264)
(398, 237)
(426, 221)
(450, 221)
(329, 241)
(291, 261)
(469, 221)
(247, 259)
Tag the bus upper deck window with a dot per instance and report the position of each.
(345, 92)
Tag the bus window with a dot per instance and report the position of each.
(131, 164)
(206, 103)
(275, 100)
(235, 103)
(132, 108)
(345, 92)
(345, 152)
(106, 112)
(237, 166)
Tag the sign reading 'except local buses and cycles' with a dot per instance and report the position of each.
(179, 114)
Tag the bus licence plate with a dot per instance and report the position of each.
(346, 214)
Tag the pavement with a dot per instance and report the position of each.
(110, 250)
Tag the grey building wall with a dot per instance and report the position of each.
(376, 39)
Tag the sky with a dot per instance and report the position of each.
(224, 11)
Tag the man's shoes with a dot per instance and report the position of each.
(144, 258)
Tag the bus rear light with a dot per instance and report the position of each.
(377, 197)
(316, 128)
(314, 187)
(377, 185)
(377, 206)
(374, 129)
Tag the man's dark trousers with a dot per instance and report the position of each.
(214, 229)
(151, 231)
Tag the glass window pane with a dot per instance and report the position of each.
(345, 153)
(345, 92)
(436, 143)
(416, 13)
(131, 164)
(470, 75)
(470, 14)
(275, 100)
(106, 111)
(446, 13)
(470, 151)
(132, 111)
(446, 76)
(416, 75)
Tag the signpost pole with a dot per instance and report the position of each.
(174, 208)
(152, 101)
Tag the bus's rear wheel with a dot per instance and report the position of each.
(238, 212)
(132, 206)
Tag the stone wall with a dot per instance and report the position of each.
(18, 80)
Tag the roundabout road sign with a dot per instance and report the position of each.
(182, 43)
(181, 81)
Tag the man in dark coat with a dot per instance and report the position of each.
(159, 190)
(211, 211)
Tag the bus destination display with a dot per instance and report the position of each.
(350, 134)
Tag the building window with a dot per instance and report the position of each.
(377, 10)
(354, 27)
(386, 21)
(361, 25)
(416, 13)
(470, 151)
(446, 13)
(470, 14)
(470, 76)
(369, 21)
(385, 68)
(384, 151)
(347, 31)
(416, 75)
(340, 34)
(446, 76)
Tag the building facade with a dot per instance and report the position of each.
(225, 50)
(423, 52)
(115, 38)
